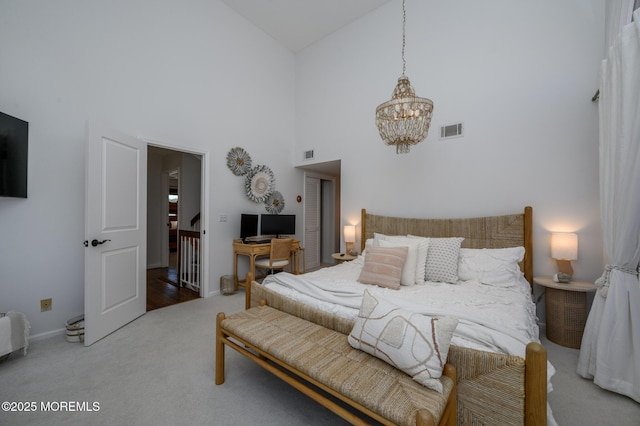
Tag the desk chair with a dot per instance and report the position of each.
(279, 255)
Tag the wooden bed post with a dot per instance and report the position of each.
(363, 229)
(528, 244)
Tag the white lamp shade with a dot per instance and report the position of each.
(564, 245)
(349, 232)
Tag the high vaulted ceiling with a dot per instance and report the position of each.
(298, 23)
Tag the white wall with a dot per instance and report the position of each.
(519, 75)
(194, 75)
(191, 74)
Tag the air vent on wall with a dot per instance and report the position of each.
(451, 131)
(308, 155)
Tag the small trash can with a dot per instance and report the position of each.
(226, 285)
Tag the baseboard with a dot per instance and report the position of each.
(47, 334)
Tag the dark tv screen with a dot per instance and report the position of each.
(14, 139)
(278, 224)
(248, 225)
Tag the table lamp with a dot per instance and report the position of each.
(349, 232)
(564, 249)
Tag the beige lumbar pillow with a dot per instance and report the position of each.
(383, 266)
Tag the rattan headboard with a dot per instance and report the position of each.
(511, 230)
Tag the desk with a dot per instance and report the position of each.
(255, 250)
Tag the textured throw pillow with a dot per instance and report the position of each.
(409, 270)
(414, 343)
(442, 260)
(383, 266)
(497, 267)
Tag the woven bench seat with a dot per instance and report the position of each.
(324, 358)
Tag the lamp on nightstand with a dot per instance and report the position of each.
(564, 249)
(349, 232)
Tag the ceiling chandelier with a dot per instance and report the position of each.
(404, 120)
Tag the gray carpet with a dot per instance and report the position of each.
(159, 370)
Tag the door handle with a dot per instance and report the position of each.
(94, 243)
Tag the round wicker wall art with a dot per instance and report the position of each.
(259, 183)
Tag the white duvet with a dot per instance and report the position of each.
(496, 319)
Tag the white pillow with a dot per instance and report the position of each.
(369, 243)
(442, 260)
(497, 267)
(409, 270)
(414, 343)
(416, 258)
(377, 237)
(423, 251)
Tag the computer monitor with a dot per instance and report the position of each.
(248, 225)
(278, 224)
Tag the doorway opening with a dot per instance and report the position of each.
(321, 216)
(174, 204)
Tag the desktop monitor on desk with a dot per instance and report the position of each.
(248, 225)
(278, 224)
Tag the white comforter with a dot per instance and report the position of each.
(491, 318)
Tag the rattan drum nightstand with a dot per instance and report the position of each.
(343, 257)
(566, 306)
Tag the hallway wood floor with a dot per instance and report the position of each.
(163, 290)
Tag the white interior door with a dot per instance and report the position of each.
(115, 225)
(312, 222)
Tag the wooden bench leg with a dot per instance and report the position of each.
(449, 417)
(219, 350)
(424, 418)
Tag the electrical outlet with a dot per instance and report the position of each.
(45, 305)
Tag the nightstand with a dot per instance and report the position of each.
(566, 306)
(343, 257)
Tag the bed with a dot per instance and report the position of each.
(503, 374)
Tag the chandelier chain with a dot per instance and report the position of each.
(404, 25)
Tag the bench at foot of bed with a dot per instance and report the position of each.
(299, 351)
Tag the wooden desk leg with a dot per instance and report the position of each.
(252, 270)
(292, 260)
(235, 271)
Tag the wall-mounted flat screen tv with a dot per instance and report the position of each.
(248, 225)
(14, 139)
(278, 224)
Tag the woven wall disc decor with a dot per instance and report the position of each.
(259, 183)
(238, 161)
(274, 203)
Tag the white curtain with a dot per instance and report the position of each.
(617, 15)
(610, 352)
